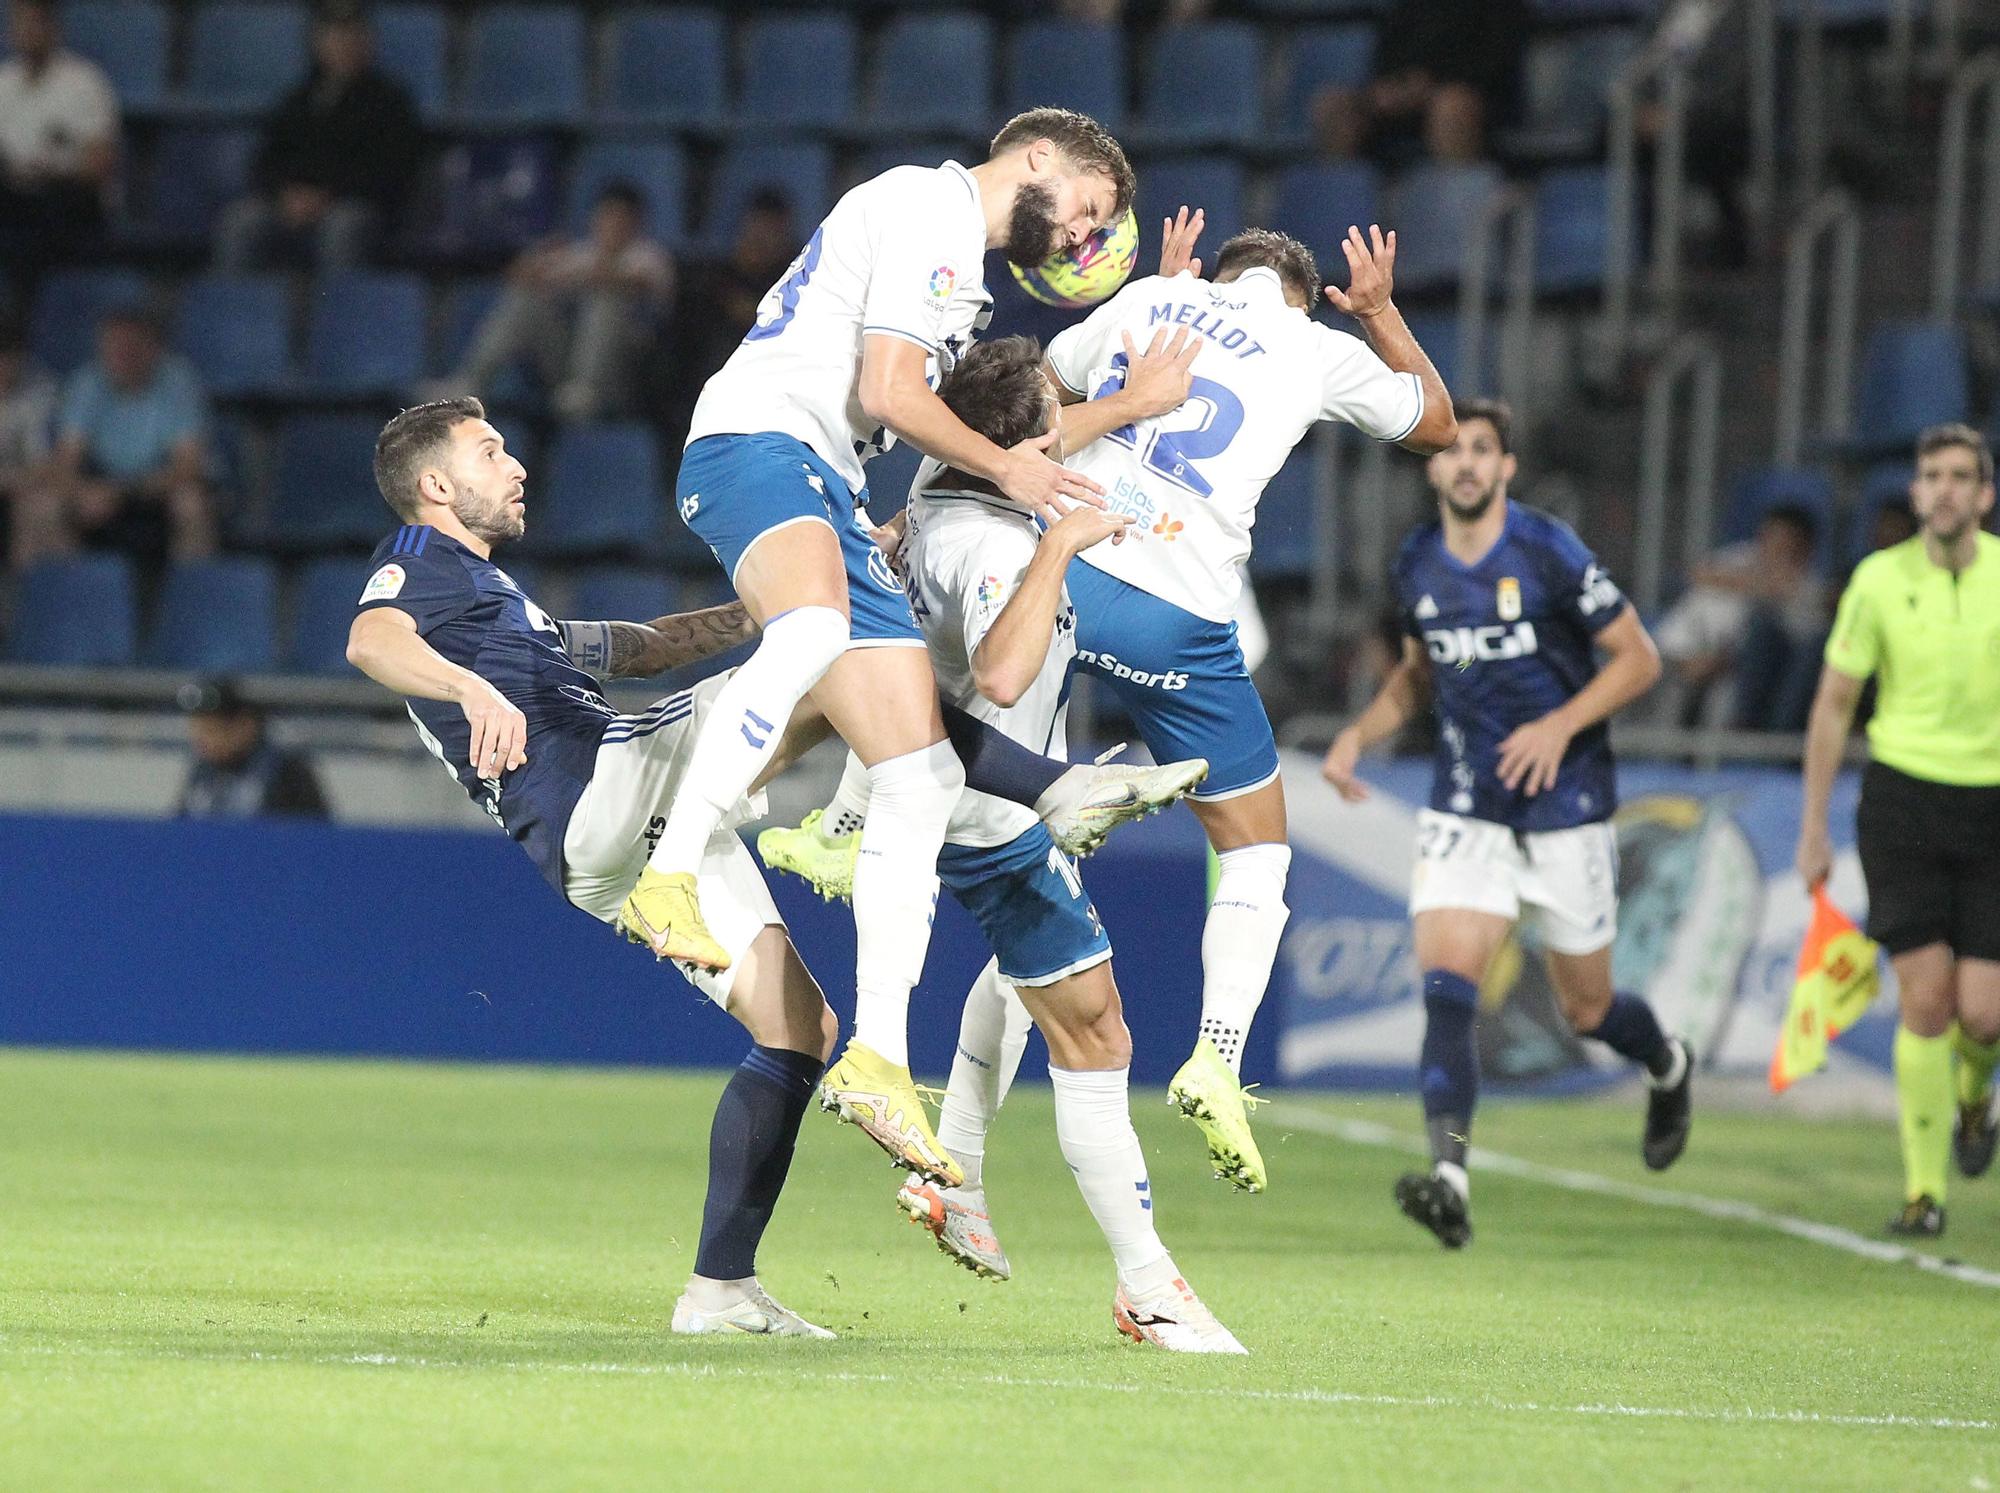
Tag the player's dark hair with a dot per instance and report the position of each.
(1938, 437)
(1084, 143)
(998, 390)
(1495, 412)
(412, 441)
(625, 192)
(1266, 248)
(768, 200)
(1796, 516)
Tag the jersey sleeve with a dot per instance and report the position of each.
(1584, 587)
(433, 590)
(1855, 645)
(1359, 389)
(986, 581)
(918, 262)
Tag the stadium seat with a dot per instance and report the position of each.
(410, 46)
(323, 604)
(1754, 493)
(217, 616)
(524, 67)
(798, 73)
(366, 334)
(1287, 520)
(62, 328)
(464, 308)
(1074, 64)
(1433, 209)
(657, 169)
(663, 69)
(954, 45)
(491, 197)
(191, 174)
(1322, 57)
(1203, 86)
(242, 56)
(1913, 374)
(1566, 79)
(623, 593)
(1437, 333)
(1882, 485)
(76, 613)
(1212, 183)
(890, 154)
(802, 171)
(1317, 204)
(130, 40)
(601, 494)
(1601, 10)
(237, 333)
(323, 493)
(1572, 227)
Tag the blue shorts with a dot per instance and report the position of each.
(1029, 901)
(1179, 677)
(734, 489)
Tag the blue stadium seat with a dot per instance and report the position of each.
(1437, 333)
(491, 197)
(1566, 78)
(62, 328)
(1882, 485)
(242, 56)
(890, 154)
(798, 73)
(1433, 207)
(1074, 64)
(802, 171)
(524, 67)
(1605, 10)
(1322, 57)
(1318, 204)
(410, 46)
(1212, 183)
(217, 616)
(626, 593)
(76, 613)
(663, 69)
(323, 492)
(323, 604)
(1913, 374)
(237, 333)
(958, 46)
(130, 40)
(192, 174)
(366, 334)
(1287, 520)
(1203, 86)
(657, 169)
(601, 494)
(1754, 493)
(1572, 227)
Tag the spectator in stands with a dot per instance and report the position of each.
(238, 772)
(58, 141)
(1894, 522)
(130, 465)
(336, 159)
(1742, 646)
(719, 303)
(27, 413)
(583, 312)
(1446, 72)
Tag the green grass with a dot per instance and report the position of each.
(312, 1275)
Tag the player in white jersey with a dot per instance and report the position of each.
(1154, 614)
(885, 296)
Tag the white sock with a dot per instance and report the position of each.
(1454, 1176)
(718, 1295)
(744, 727)
(1094, 1125)
(895, 889)
(847, 812)
(1239, 943)
(992, 1034)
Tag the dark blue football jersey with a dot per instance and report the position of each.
(472, 613)
(1510, 639)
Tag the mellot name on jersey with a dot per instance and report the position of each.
(1467, 645)
(1206, 324)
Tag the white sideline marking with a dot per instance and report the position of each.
(1369, 1133)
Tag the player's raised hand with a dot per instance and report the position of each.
(1160, 379)
(1371, 272)
(1532, 755)
(1080, 528)
(1041, 485)
(499, 731)
(1178, 236)
(1338, 768)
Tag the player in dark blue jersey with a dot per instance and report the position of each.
(1507, 614)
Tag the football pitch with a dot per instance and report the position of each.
(233, 1274)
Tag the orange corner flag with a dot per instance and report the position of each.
(1836, 980)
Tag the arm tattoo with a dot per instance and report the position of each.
(640, 649)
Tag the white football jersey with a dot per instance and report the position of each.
(1266, 372)
(964, 559)
(903, 255)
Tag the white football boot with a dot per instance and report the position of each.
(957, 1219)
(1172, 1318)
(755, 1313)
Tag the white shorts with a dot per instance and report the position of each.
(1567, 877)
(619, 818)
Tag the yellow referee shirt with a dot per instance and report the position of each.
(1932, 638)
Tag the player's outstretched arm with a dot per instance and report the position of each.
(1826, 736)
(1157, 382)
(1371, 266)
(1401, 696)
(1531, 756)
(1178, 236)
(1010, 657)
(384, 644)
(639, 650)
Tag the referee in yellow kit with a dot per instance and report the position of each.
(1923, 617)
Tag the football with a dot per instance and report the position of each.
(1085, 276)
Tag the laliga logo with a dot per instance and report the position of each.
(1468, 645)
(943, 278)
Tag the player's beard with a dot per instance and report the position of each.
(494, 521)
(1473, 512)
(1034, 237)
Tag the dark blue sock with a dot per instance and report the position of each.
(1448, 1067)
(995, 763)
(1631, 1030)
(749, 1151)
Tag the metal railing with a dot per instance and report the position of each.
(1831, 220)
(1509, 214)
(1965, 185)
(1691, 363)
(1665, 68)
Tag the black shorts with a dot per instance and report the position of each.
(1931, 854)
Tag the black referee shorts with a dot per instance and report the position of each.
(1931, 854)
